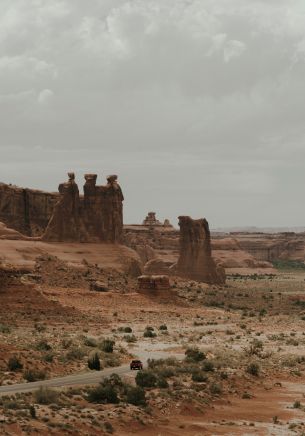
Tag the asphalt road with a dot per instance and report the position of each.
(87, 378)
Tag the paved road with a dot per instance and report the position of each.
(86, 378)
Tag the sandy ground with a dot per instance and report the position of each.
(219, 321)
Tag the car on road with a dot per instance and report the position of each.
(136, 364)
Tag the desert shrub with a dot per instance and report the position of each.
(108, 427)
(194, 355)
(114, 380)
(215, 389)
(297, 405)
(111, 361)
(163, 327)
(48, 357)
(155, 363)
(32, 375)
(208, 366)
(14, 364)
(255, 347)
(167, 371)
(90, 342)
(75, 353)
(146, 379)
(46, 395)
(253, 369)
(127, 330)
(5, 329)
(162, 383)
(107, 345)
(199, 376)
(148, 327)
(136, 396)
(130, 338)
(104, 393)
(94, 362)
(40, 327)
(149, 334)
(246, 396)
(43, 346)
(32, 411)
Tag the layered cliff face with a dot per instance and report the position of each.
(195, 258)
(25, 210)
(96, 217)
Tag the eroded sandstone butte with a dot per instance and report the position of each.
(96, 217)
(195, 257)
(67, 216)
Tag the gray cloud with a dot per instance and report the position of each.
(198, 105)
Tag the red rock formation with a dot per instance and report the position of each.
(97, 217)
(103, 209)
(65, 224)
(195, 259)
(26, 210)
(158, 282)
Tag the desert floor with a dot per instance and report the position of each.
(250, 380)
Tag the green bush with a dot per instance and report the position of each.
(130, 338)
(103, 394)
(194, 355)
(32, 375)
(163, 327)
(253, 369)
(14, 364)
(146, 379)
(127, 329)
(46, 395)
(199, 377)
(208, 366)
(215, 389)
(107, 345)
(43, 346)
(32, 411)
(136, 396)
(162, 383)
(94, 362)
(5, 329)
(149, 334)
(90, 342)
(48, 357)
(75, 353)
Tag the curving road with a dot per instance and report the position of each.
(87, 378)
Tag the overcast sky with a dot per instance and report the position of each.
(198, 106)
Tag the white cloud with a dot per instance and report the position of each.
(156, 88)
(45, 96)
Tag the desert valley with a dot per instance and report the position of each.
(216, 318)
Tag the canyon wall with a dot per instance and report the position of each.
(26, 210)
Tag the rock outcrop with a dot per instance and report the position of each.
(153, 282)
(96, 217)
(195, 259)
(26, 210)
